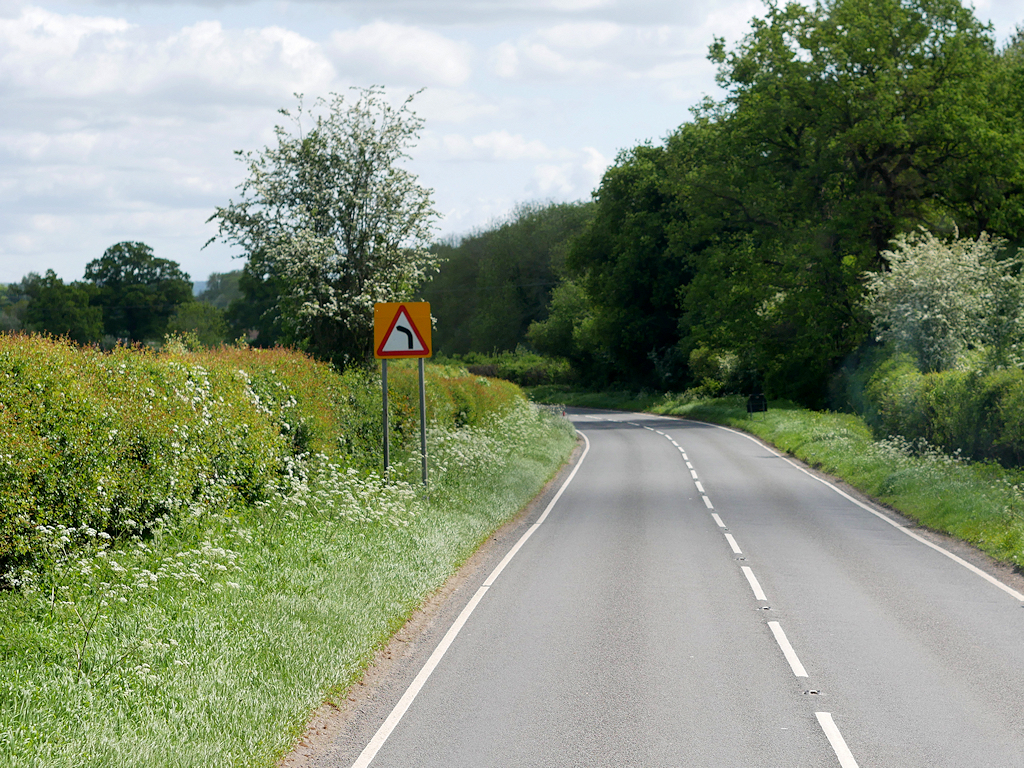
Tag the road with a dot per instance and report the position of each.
(693, 598)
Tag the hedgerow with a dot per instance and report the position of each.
(121, 442)
(975, 414)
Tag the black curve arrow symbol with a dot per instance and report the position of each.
(407, 332)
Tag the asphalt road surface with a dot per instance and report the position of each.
(692, 598)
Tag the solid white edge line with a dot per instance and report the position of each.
(373, 747)
(754, 583)
(718, 520)
(787, 649)
(835, 738)
(898, 526)
(732, 543)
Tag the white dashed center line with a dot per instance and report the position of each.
(787, 649)
(835, 738)
(754, 584)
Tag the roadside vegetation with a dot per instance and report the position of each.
(195, 544)
(205, 549)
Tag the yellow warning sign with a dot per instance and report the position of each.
(401, 330)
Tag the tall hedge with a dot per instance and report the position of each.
(978, 414)
(119, 441)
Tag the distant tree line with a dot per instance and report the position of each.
(128, 295)
(493, 284)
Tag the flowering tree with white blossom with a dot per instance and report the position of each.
(939, 300)
(330, 214)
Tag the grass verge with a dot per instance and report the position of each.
(980, 503)
(210, 642)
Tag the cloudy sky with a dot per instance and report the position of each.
(120, 119)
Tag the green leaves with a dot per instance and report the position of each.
(137, 291)
(846, 123)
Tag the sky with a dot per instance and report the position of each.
(121, 120)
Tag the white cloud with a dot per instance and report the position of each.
(410, 54)
(614, 54)
(75, 57)
(451, 105)
(570, 180)
(497, 145)
(120, 119)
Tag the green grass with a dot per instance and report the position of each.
(210, 642)
(980, 503)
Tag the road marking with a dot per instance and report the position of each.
(835, 738)
(373, 747)
(787, 649)
(700, 488)
(718, 520)
(689, 465)
(707, 502)
(754, 584)
(732, 543)
(898, 526)
(693, 473)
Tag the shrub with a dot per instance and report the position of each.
(122, 442)
(975, 414)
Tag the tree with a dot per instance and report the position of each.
(846, 123)
(63, 310)
(204, 320)
(626, 265)
(222, 289)
(494, 283)
(14, 303)
(137, 291)
(330, 214)
(938, 300)
(256, 314)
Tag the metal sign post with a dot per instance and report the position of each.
(423, 421)
(384, 416)
(402, 330)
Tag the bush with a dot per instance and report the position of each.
(120, 443)
(978, 415)
(522, 368)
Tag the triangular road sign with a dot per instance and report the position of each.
(402, 330)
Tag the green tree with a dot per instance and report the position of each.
(14, 303)
(222, 288)
(494, 283)
(138, 292)
(63, 310)
(568, 331)
(256, 314)
(331, 214)
(627, 266)
(204, 320)
(746, 234)
(845, 123)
